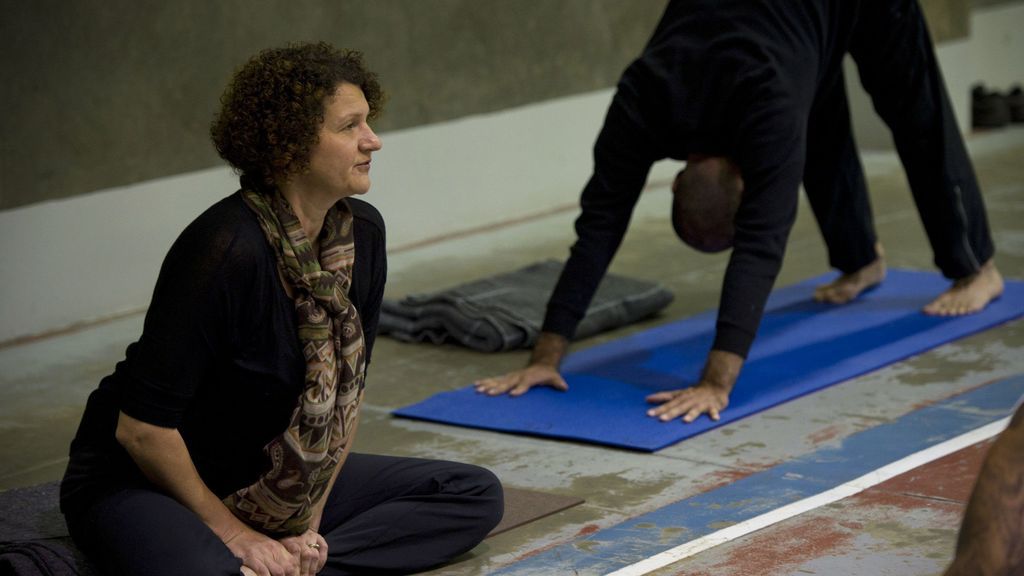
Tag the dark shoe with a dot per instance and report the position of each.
(1015, 100)
(988, 109)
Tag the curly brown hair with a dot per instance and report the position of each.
(272, 109)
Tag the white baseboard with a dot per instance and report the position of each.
(96, 256)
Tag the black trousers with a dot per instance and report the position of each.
(890, 43)
(384, 515)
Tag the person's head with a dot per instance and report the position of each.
(705, 197)
(300, 111)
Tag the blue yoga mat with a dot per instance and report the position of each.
(802, 346)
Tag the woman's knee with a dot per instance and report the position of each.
(145, 532)
(487, 490)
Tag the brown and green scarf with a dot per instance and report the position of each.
(304, 456)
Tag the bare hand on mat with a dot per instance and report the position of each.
(689, 403)
(542, 370)
(710, 395)
(518, 382)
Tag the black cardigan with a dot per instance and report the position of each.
(219, 356)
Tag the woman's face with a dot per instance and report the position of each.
(339, 163)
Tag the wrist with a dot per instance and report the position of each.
(549, 350)
(229, 531)
(721, 370)
(314, 521)
(223, 522)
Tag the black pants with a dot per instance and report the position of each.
(890, 43)
(384, 515)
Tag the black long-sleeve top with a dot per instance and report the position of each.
(732, 78)
(219, 357)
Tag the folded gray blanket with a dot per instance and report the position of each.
(506, 312)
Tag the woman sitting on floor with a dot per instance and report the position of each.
(220, 445)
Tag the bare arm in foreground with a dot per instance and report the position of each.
(991, 541)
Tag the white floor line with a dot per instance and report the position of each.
(829, 496)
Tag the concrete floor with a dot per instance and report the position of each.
(43, 385)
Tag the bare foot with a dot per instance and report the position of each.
(969, 295)
(849, 286)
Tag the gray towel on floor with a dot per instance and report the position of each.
(505, 312)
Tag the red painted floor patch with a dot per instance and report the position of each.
(772, 552)
(951, 477)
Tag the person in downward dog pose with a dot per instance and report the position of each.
(752, 96)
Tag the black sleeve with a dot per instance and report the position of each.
(191, 321)
(371, 268)
(771, 158)
(623, 155)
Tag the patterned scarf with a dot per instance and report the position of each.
(304, 457)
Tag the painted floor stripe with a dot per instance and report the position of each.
(698, 518)
(818, 500)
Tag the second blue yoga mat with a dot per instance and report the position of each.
(802, 346)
